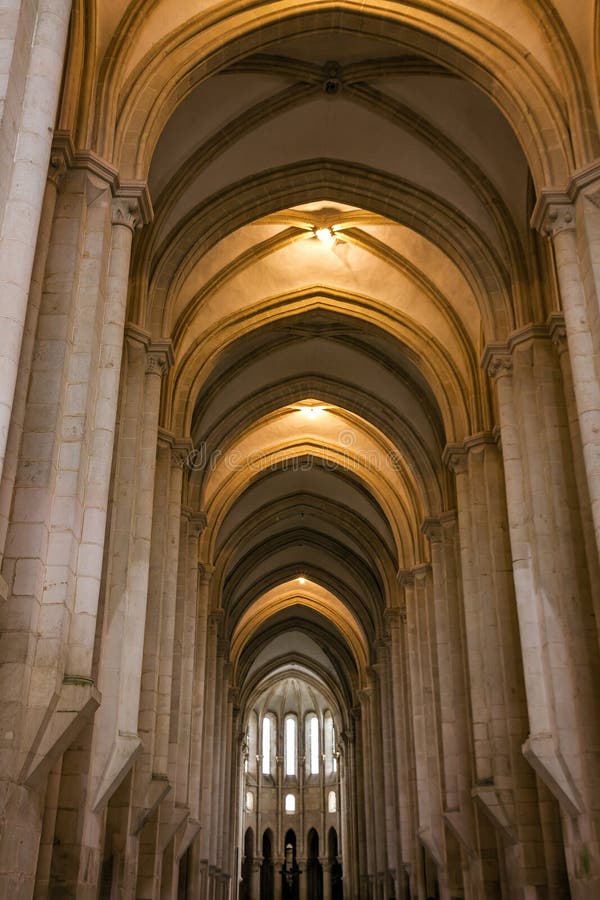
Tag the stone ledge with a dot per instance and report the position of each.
(156, 790)
(125, 749)
(543, 755)
(75, 707)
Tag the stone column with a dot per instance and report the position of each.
(115, 740)
(255, 879)
(396, 620)
(126, 217)
(23, 189)
(58, 168)
(370, 837)
(557, 220)
(455, 724)
(558, 636)
(326, 866)
(558, 334)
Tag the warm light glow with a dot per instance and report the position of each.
(311, 411)
(325, 236)
(302, 580)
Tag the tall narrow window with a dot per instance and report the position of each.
(313, 742)
(266, 746)
(331, 802)
(333, 750)
(290, 745)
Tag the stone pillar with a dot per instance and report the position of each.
(126, 217)
(455, 724)
(302, 879)
(326, 865)
(116, 742)
(58, 168)
(370, 837)
(255, 879)
(389, 771)
(396, 621)
(558, 635)
(22, 187)
(557, 220)
(55, 541)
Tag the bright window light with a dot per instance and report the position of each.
(266, 746)
(313, 736)
(290, 746)
(290, 803)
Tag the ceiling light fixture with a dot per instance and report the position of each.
(311, 411)
(302, 580)
(325, 236)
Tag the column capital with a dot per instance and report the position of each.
(126, 212)
(205, 572)
(159, 357)
(215, 617)
(432, 529)
(554, 212)
(422, 571)
(497, 361)
(197, 523)
(180, 452)
(404, 577)
(558, 332)
(394, 615)
(134, 193)
(455, 458)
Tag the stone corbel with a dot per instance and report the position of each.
(125, 750)
(74, 708)
(187, 837)
(460, 826)
(156, 790)
(544, 756)
(428, 840)
(492, 805)
(174, 819)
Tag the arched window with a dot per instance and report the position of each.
(290, 803)
(333, 750)
(290, 745)
(313, 744)
(331, 802)
(249, 801)
(329, 740)
(266, 746)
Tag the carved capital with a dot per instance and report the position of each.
(432, 529)
(156, 364)
(404, 577)
(197, 524)
(179, 457)
(394, 615)
(159, 357)
(126, 211)
(215, 618)
(558, 332)
(497, 361)
(57, 168)
(421, 571)
(205, 572)
(456, 458)
(557, 217)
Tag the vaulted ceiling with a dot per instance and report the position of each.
(320, 381)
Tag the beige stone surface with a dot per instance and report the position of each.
(299, 417)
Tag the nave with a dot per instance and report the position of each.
(300, 450)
